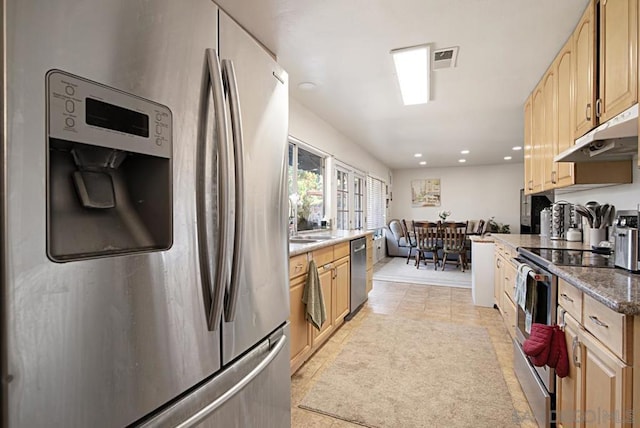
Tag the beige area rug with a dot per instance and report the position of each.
(397, 270)
(397, 372)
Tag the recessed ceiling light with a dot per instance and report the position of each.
(417, 155)
(423, 162)
(462, 160)
(507, 158)
(465, 152)
(517, 148)
(306, 86)
(413, 66)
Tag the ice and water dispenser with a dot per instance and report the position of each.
(108, 171)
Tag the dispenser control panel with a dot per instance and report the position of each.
(83, 111)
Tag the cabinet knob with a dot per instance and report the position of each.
(599, 107)
(588, 111)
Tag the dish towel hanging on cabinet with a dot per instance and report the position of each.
(313, 299)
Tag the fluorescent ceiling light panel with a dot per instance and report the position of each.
(413, 66)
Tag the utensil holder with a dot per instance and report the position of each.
(597, 235)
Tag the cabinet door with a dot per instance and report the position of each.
(537, 162)
(326, 280)
(568, 388)
(300, 328)
(605, 394)
(617, 89)
(584, 72)
(528, 149)
(497, 278)
(550, 93)
(564, 140)
(342, 290)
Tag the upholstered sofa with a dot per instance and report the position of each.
(396, 237)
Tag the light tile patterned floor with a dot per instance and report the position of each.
(415, 302)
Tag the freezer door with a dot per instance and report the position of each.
(253, 392)
(262, 295)
(101, 342)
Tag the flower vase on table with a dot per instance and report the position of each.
(443, 215)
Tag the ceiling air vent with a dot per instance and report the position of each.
(445, 58)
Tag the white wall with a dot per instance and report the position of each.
(469, 192)
(309, 128)
(622, 196)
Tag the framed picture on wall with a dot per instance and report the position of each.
(425, 193)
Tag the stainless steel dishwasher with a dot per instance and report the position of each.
(358, 275)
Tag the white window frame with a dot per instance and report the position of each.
(351, 174)
(298, 144)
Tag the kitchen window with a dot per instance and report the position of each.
(349, 197)
(306, 187)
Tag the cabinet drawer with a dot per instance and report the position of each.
(341, 250)
(298, 265)
(611, 328)
(323, 256)
(570, 298)
(509, 314)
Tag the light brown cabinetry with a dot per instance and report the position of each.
(300, 328)
(537, 139)
(504, 280)
(528, 146)
(598, 389)
(618, 79)
(572, 97)
(549, 141)
(584, 72)
(333, 264)
(562, 172)
(615, 24)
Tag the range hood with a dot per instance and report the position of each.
(616, 139)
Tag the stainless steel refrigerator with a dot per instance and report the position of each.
(144, 238)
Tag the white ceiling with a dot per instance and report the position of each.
(343, 47)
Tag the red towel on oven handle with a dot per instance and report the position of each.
(538, 345)
(558, 356)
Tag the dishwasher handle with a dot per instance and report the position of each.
(362, 247)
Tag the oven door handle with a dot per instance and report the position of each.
(537, 276)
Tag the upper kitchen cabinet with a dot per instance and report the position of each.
(549, 95)
(563, 171)
(537, 139)
(584, 72)
(528, 147)
(617, 89)
(602, 95)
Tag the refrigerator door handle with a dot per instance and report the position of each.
(200, 416)
(229, 77)
(213, 288)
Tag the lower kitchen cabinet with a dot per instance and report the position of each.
(333, 264)
(342, 289)
(300, 341)
(326, 281)
(370, 250)
(598, 390)
(567, 388)
(605, 385)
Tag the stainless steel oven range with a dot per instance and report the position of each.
(539, 383)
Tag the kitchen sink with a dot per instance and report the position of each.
(309, 239)
(302, 240)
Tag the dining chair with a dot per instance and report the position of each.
(427, 239)
(410, 237)
(453, 242)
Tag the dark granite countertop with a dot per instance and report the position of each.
(614, 288)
